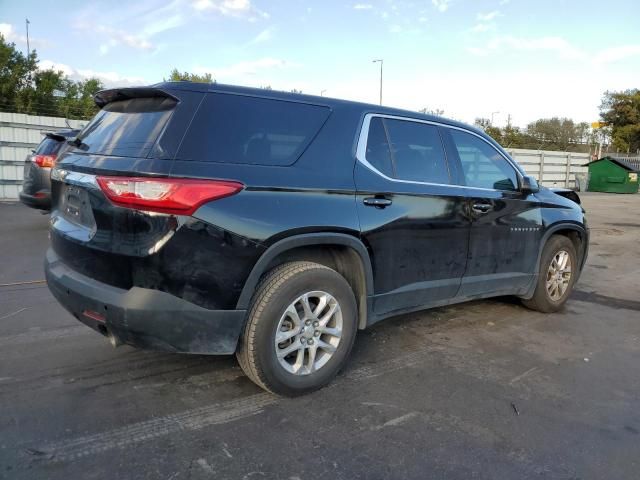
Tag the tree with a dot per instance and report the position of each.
(16, 73)
(438, 112)
(621, 110)
(493, 132)
(24, 88)
(554, 133)
(77, 101)
(178, 76)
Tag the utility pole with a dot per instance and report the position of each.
(27, 22)
(381, 62)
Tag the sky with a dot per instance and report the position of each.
(526, 59)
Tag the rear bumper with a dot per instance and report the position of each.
(143, 317)
(41, 203)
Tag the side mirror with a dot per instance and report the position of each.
(529, 185)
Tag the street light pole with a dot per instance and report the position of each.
(492, 114)
(322, 92)
(381, 62)
(27, 22)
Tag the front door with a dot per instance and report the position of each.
(506, 225)
(412, 215)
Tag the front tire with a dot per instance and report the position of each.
(300, 329)
(556, 277)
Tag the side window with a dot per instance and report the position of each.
(417, 152)
(482, 165)
(378, 153)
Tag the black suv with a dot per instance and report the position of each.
(36, 185)
(212, 219)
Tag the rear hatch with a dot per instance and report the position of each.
(134, 135)
(38, 164)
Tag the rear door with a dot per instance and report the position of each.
(412, 214)
(506, 225)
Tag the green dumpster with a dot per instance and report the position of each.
(614, 175)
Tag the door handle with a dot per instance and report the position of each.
(481, 207)
(377, 202)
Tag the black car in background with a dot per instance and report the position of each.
(212, 219)
(36, 187)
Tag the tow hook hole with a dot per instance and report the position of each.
(105, 308)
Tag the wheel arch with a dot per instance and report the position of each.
(342, 252)
(578, 235)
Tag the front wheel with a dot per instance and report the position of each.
(558, 269)
(300, 329)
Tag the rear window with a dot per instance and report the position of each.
(126, 128)
(237, 129)
(48, 146)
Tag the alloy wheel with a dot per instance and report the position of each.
(559, 275)
(308, 333)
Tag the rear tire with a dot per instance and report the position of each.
(556, 277)
(312, 309)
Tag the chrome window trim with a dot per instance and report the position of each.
(361, 150)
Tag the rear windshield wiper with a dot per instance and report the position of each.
(76, 142)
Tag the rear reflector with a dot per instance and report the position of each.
(177, 196)
(45, 161)
(94, 316)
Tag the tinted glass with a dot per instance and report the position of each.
(48, 146)
(127, 128)
(417, 152)
(483, 166)
(238, 129)
(378, 153)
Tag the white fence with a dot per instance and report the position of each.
(20, 133)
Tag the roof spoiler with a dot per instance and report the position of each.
(104, 97)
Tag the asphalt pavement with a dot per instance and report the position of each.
(484, 389)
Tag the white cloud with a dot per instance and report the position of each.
(441, 5)
(395, 29)
(557, 45)
(487, 17)
(483, 27)
(242, 70)
(230, 8)
(11, 35)
(615, 54)
(264, 36)
(110, 79)
(363, 6)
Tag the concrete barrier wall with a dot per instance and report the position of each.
(556, 169)
(19, 134)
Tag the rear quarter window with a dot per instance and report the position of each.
(248, 130)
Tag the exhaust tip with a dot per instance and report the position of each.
(113, 340)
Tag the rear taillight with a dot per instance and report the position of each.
(178, 196)
(46, 161)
